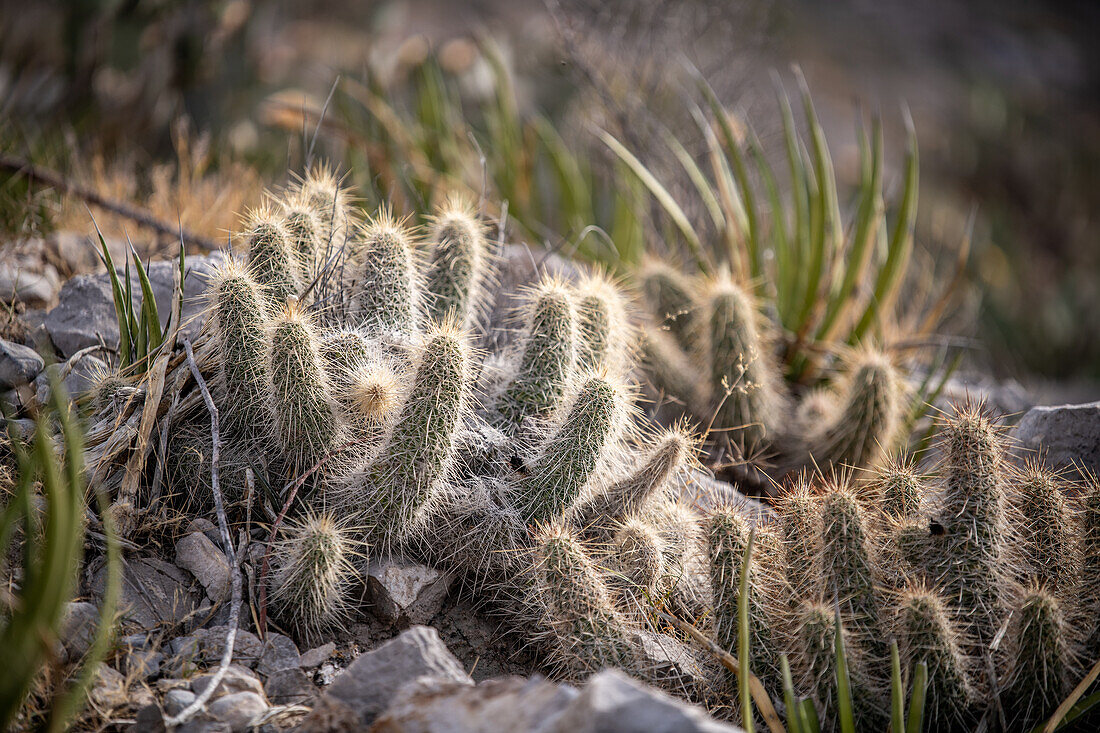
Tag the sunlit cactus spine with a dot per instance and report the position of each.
(603, 331)
(896, 488)
(459, 270)
(394, 489)
(590, 429)
(634, 563)
(322, 192)
(587, 633)
(907, 548)
(598, 516)
(385, 283)
(743, 378)
(1041, 659)
(239, 321)
(306, 425)
(799, 532)
(547, 358)
(314, 573)
(686, 582)
(271, 261)
(926, 633)
(868, 415)
(303, 231)
(726, 535)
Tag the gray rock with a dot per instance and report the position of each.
(430, 705)
(236, 679)
(317, 656)
(143, 664)
(1066, 436)
(289, 687)
(153, 592)
(197, 554)
(247, 647)
(149, 719)
(78, 628)
(403, 592)
(279, 653)
(239, 710)
(369, 683)
(109, 689)
(19, 364)
(85, 312)
(611, 702)
(175, 701)
(78, 378)
(30, 282)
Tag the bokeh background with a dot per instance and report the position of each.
(189, 109)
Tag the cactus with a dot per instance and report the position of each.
(385, 287)
(671, 370)
(589, 431)
(305, 419)
(587, 631)
(1046, 543)
(321, 191)
(459, 268)
(547, 359)
(799, 531)
(727, 535)
(271, 261)
(927, 634)
(240, 334)
(314, 574)
(1041, 665)
(969, 562)
(896, 489)
(815, 646)
(670, 297)
(597, 517)
(634, 563)
(1089, 516)
(602, 327)
(303, 229)
(865, 427)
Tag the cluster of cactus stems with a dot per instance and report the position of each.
(708, 348)
(340, 349)
(975, 568)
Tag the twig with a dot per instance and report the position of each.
(53, 179)
(730, 662)
(264, 566)
(230, 551)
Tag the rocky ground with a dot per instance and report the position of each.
(420, 658)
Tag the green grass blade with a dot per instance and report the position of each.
(901, 240)
(897, 691)
(125, 343)
(697, 178)
(794, 723)
(788, 284)
(743, 646)
(917, 698)
(809, 720)
(149, 312)
(663, 197)
(843, 682)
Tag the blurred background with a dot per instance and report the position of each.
(191, 108)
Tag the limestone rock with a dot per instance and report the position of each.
(403, 592)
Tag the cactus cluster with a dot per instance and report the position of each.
(974, 568)
(708, 348)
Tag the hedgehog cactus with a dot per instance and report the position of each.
(1041, 665)
(1046, 532)
(271, 261)
(385, 291)
(458, 273)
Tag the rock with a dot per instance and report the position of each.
(78, 379)
(176, 700)
(317, 656)
(289, 687)
(1066, 436)
(240, 710)
(149, 719)
(143, 664)
(85, 312)
(329, 715)
(236, 679)
(109, 689)
(402, 592)
(519, 266)
(29, 282)
(78, 251)
(611, 702)
(153, 592)
(278, 653)
(78, 628)
(431, 705)
(19, 364)
(369, 683)
(675, 666)
(197, 554)
(247, 647)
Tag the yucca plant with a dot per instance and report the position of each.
(50, 543)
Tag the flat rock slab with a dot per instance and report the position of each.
(1065, 436)
(403, 592)
(369, 684)
(201, 557)
(153, 592)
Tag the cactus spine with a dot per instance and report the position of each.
(385, 291)
(1046, 546)
(670, 296)
(459, 268)
(601, 324)
(1041, 662)
(271, 261)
